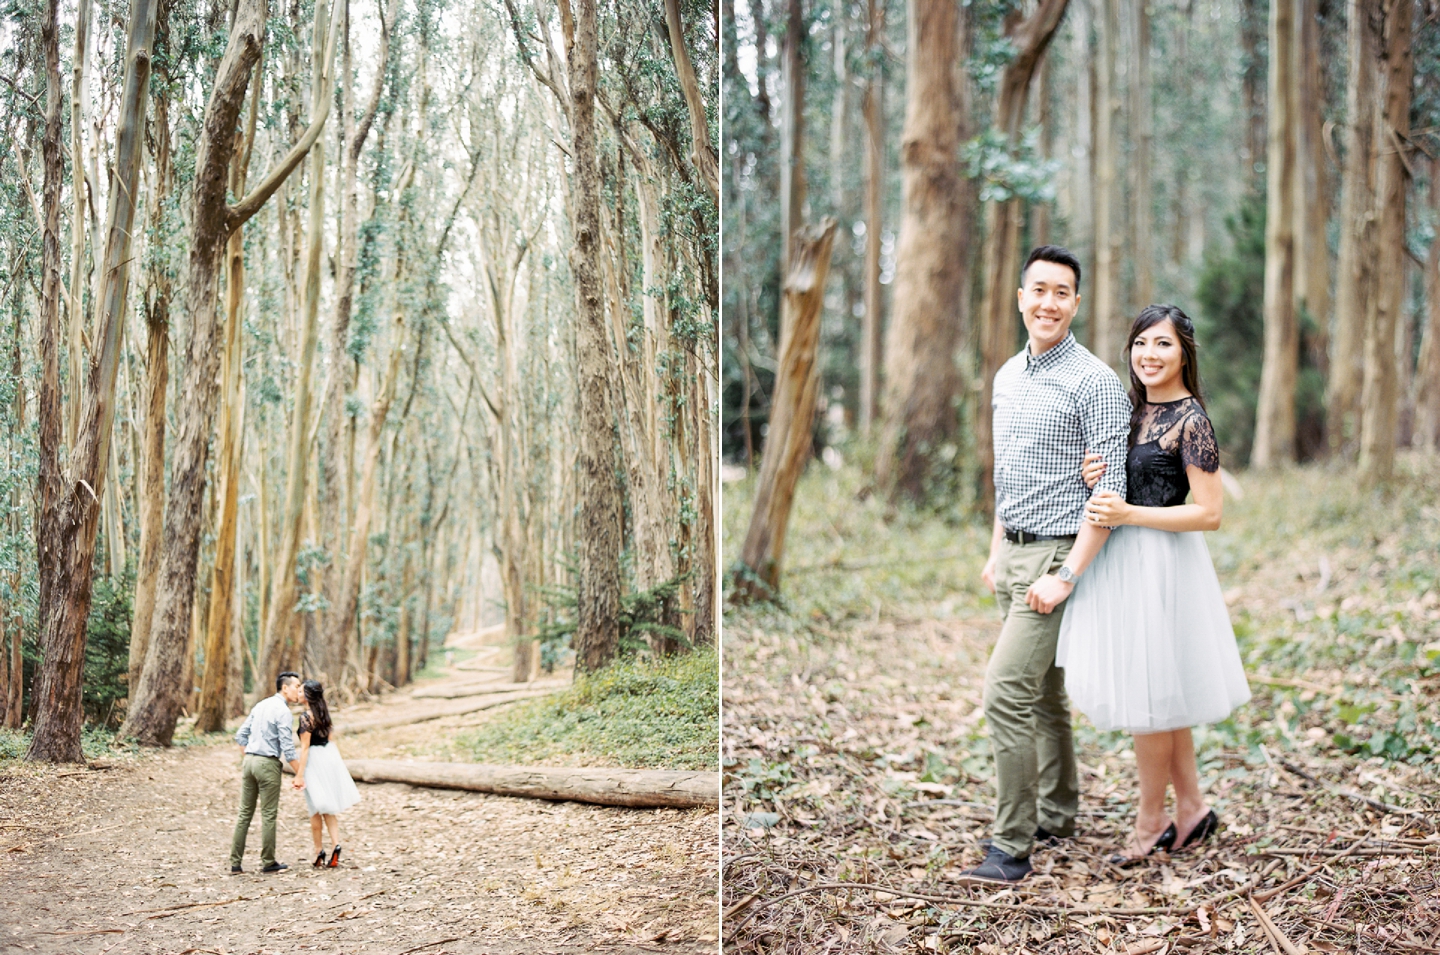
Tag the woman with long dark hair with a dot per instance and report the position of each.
(329, 790)
(1146, 642)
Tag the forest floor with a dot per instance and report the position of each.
(858, 777)
(133, 857)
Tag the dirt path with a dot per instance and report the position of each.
(135, 859)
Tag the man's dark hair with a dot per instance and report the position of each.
(284, 678)
(1053, 253)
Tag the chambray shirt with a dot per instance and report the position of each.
(267, 732)
(1048, 410)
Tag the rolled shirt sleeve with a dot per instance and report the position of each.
(1105, 421)
(243, 736)
(285, 735)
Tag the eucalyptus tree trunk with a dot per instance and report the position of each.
(928, 316)
(1000, 256)
(792, 133)
(284, 629)
(787, 445)
(337, 447)
(1427, 368)
(1106, 322)
(1252, 84)
(1355, 276)
(343, 614)
(1078, 201)
(218, 620)
(69, 516)
(597, 631)
(157, 699)
(1379, 393)
(1142, 125)
(75, 347)
(1275, 407)
(1312, 184)
(873, 108)
(702, 154)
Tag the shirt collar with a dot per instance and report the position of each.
(1052, 356)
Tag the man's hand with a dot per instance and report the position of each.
(1047, 593)
(987, 576)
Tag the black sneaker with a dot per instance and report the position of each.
(235, 870)
(997, 867)
(1044, 838)
(275, 867)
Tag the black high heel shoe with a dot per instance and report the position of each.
(335, 858)
(1166, 842)
(319, 862)
(1203, 830)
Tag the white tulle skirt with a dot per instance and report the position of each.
(1146, 641)
(328, 786)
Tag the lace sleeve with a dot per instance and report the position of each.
(1197, 443)
(304, 725)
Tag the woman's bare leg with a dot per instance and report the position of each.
(1153, 753)
(332, 822)
(1190, 805)
(315, 833)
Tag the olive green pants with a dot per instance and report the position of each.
(1026, 707)
(259, 779)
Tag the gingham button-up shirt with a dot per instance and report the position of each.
(1048, 410)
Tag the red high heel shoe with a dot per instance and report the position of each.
(335, 858)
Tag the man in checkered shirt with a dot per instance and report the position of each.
(1052, 402)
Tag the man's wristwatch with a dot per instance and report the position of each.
(1065, 575)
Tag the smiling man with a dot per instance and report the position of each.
(1052, 402)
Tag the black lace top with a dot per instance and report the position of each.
(321, 738)
(1167, 437)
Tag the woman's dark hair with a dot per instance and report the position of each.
(1149, 317)
(319, 712)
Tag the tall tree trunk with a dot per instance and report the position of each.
(1427, 369)
(1142, 249)
(873, 107)
(156, 700)
(1312, 186)
(211, 714)
(342, 618)
(787, 445)
(337, 448)
(1275, 407)
(702, 154)
(1107, 323)
(284, 629)
(1082, 146)
(68, 517)
(794, 65)
(597, 631)
(78, 90)
(1379, 394)
(151, 463)
(1355, 277)
(928, 313)
(1001, 253)
(1252, 85)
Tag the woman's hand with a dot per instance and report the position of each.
(1107, 509)
(1092, 468)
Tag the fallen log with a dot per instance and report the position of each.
(459, 708)
(457, 690)
(635, 788)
